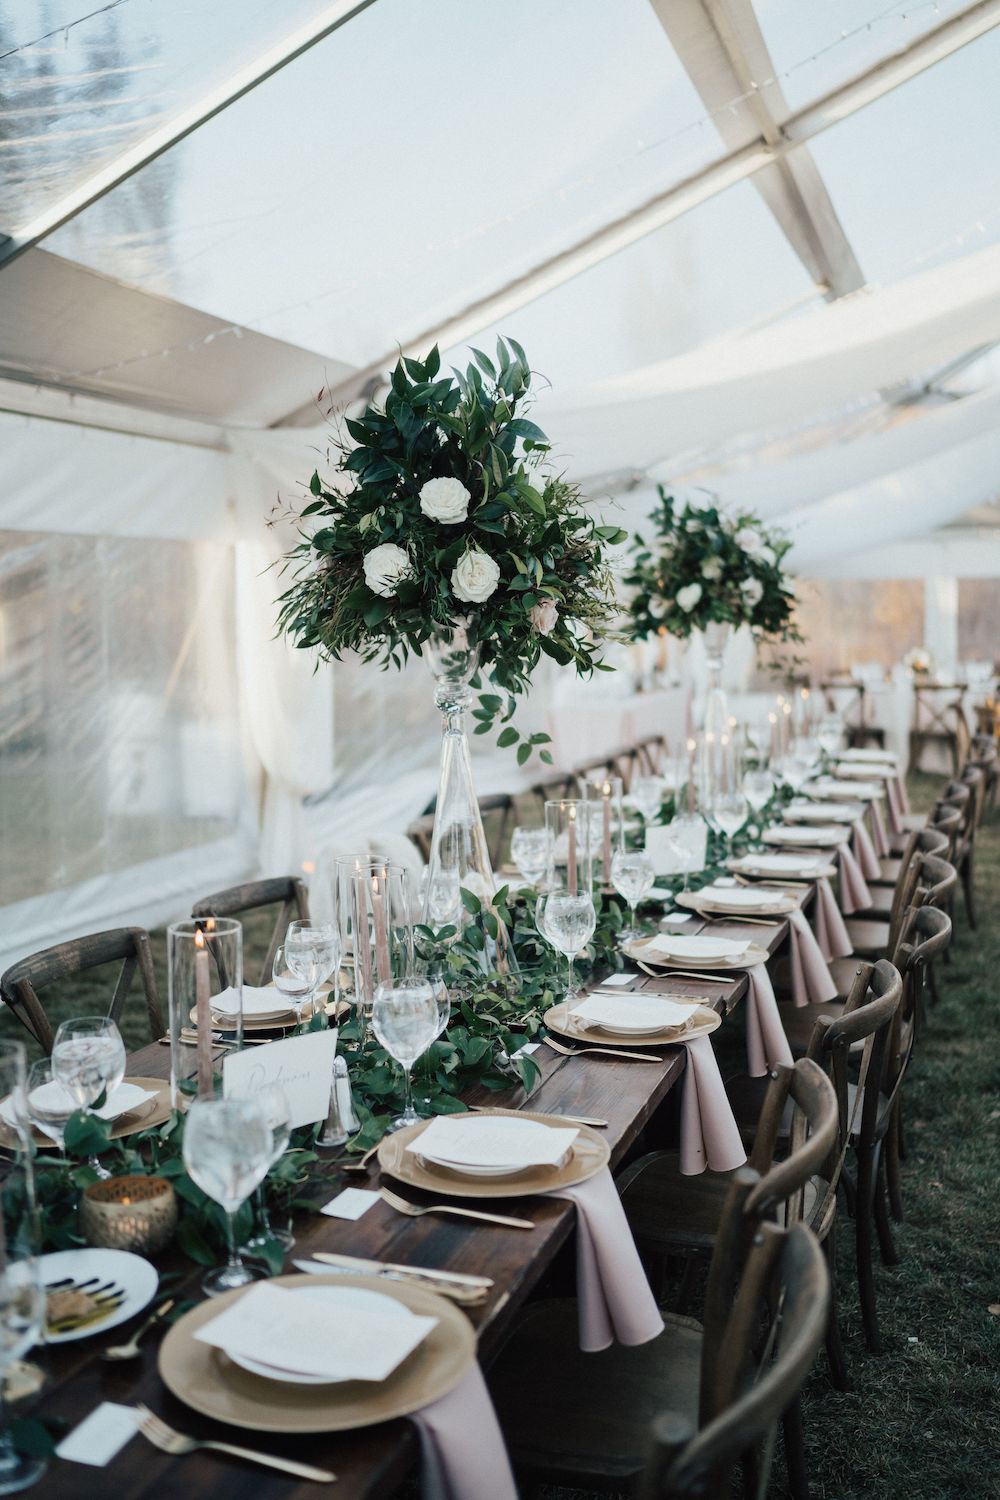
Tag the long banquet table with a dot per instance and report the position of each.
(371, 1462)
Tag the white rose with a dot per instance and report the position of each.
(657, 608)
(765, 555)
(385, 567)
(711, 570)
(445, 500)
(688, 597)
(748, 539)
(544, 616)
(474, 577)
(753, 591)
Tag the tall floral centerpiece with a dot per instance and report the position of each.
(706, 569)
(448, 534)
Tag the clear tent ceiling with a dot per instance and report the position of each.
(419, 158)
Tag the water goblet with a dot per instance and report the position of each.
(22, 1320)
(228, 1149)
(647, 793)
(686, 837)
(758, 787)
(632, 876)
(529, 849)
(406, 1020)
(274, 1102)
(88, 1059)
(309, 944)
(295, 982)
(729, 811)
(48, 1102)
(568, 925)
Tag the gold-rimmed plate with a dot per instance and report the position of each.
(209, 1382)
(806, 835)
(588, 1155)
(640, 952)
(720, 906)
(781, 867)
(151, 1112)
(703, 1020)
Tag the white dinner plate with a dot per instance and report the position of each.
(125, 1098)
(136, 1276)
(809, 837)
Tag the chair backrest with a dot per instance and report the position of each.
(946, 819)
(936, 881)
(128, 946)
(287, 892)
(651, 755)
(499, 814)
(785, 1281)
(812, 1135)
(868, 1017)
(974, 777)
(927, 935)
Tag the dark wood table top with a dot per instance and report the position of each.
(374, 1461)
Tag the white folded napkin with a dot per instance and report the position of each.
(739, 897)
(126, 1097)
(633, 1011)
(809, 835)
(819, 812)
(695, 947)
(845, 791)
(862, 769)
(266, 1001)
(783, 864)
(340, 1338)
(889, 756)
(492, 1141)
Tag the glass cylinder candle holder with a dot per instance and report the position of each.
(205, 994)
(129, 1213)
(606, 822)
(375, 920)
(571, 863)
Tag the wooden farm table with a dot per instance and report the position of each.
(370, 1462)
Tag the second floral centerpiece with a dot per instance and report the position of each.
(446, 533)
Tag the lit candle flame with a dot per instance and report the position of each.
(199, 938)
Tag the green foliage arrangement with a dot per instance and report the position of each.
(445, 512)
(705, 566)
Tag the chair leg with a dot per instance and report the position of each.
(835, 1354)
(932, 983)
(795, 1452)
(863, 1251)
(970, 906)
(893, 1155)
(887, 1248)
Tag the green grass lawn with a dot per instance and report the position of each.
(923, 1420)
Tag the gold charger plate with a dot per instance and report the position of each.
(209, 1382)
(784, 835)
(753, 870)
(746, 960)
(560, 1020)
(588, 1155)
(694, 902)
(153, 1112)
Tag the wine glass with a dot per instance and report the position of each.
(758, 787)
(632, 876)
(228, 1148)
(296, 983)
(312, 946)
(88, 1059)
(273, 1100)
(568, 924)
(686, 837)
(830, 734)
(729, 811)
(529, 849)
(647, 793)
(48, 1102)
(22, 1320)
(405, 1019)
(797, 765)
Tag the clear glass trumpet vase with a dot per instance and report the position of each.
(459, 857)
(716, 638)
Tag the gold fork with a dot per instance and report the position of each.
(416, 1211)
(601, 1052)
(362, 1165)
(175, 1443)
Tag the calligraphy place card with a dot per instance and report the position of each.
(300, 1065)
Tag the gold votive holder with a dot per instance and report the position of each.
(129, 1213)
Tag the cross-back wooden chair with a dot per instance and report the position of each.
(943, 818)
(928, 840)
(685, 1464)
(848, 699)
(937, 723)
(584, 1420)
(874, 935)
(553, 787)
(421, 831)
(128, 946)
(287, 892)
(983, 753)
(650, 755)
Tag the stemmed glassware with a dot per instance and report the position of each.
(797, 765)
(569, 924)
(88, 1059)
(406, 1019)
(296, 982)
(49, 1102)
(228, 1149)
(632, 875)
(22, 1320)
(758, 784)
(647, 792)
(830, 734)
(529, 849)
(274, 1102)
(686, 836)
(312, 949)
(568, 919)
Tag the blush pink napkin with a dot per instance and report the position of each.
(831, 933)
(614, 1297)
(462, 1446)
(899, 782)
(767, 1044)
(710, 1136)
(864, 851)
(896, 808)
(880, 838)
(812, 983)
(854, 893)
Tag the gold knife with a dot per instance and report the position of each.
(356, 1263)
